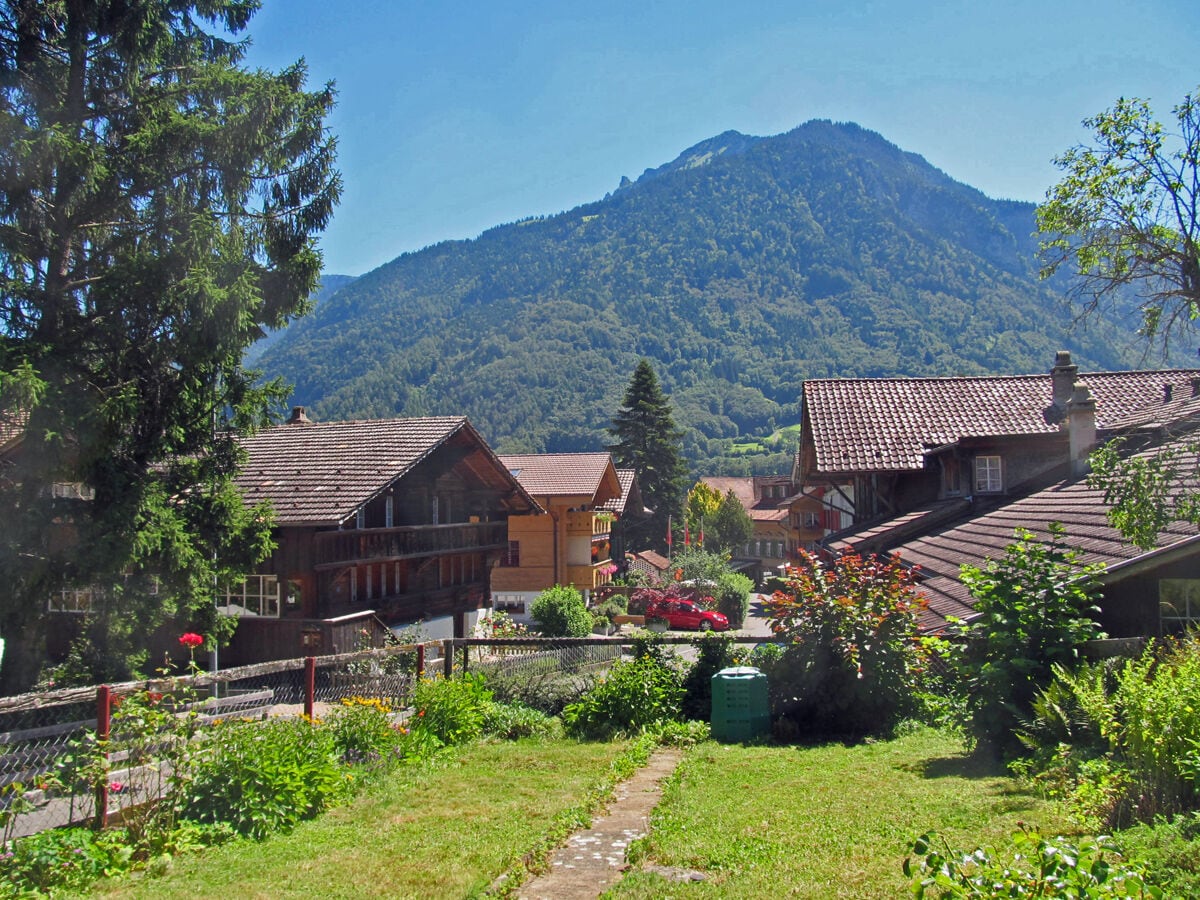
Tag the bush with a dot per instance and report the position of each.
(560, 612)
(261, 777)
(631, 698)
(511, 721)
(451, 710)
(853, 660)
(1035, 611)
(715, 654)
(61, 858)
(733, 597)
(362, 729)
(1037, 867)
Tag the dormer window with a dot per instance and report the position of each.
(988, 478)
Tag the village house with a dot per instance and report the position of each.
(1020, 465)
(785, 519)
(571, 541)
(392, 521)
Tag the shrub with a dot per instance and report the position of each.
(1035, 610)
(733, 597)
(62, 858)
(715, 654)
(362, 729)
(451, 710)
(511, 721)
(853, 659)
(1037, 867)
(262, 777)
(560, 612)
(631, 698)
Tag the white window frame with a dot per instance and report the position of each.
(989, 474)
(259, 595)
(71, 600)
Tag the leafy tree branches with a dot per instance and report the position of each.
(1125, 215)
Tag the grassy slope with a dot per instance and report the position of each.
(760, 821)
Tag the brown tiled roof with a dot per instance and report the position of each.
(887, 424)
(321, 473)
(764, 509)
(627, 478)
(12, 426)
(1164, 411)
(649, 561)
(944, 549)
(564, 474)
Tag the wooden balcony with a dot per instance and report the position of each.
(588, 522)
(342, 548)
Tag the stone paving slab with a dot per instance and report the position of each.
(593, 860)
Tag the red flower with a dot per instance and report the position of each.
(191, 640)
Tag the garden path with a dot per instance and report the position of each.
(593, 859)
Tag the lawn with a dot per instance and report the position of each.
(830, 821)
(827, 821)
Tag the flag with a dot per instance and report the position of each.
(668, 531)
(686, 538)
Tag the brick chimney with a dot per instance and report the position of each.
(1081, 427)
(299, 417)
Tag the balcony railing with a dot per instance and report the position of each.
(588, 522)
(333, 548)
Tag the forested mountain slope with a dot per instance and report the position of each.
(740, 269)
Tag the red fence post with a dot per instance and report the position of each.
(420, 660)
(310, 685)
(103, 730)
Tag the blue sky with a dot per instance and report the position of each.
(454, 117)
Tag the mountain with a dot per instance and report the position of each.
(739, 269)
(329, 285)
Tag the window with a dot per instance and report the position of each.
(360, 518)
(987, 475)
(512, 558)
(258, 595)
(75, 490)
(389, 511)
(1178, 603)
(812, 520)
(71, 600)
(513, 604)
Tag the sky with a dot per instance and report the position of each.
(454, 117)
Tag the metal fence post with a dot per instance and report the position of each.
(310, 685)
(420, 660)
(103, 731)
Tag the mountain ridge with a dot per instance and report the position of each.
(741, 267)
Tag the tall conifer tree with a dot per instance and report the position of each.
(158, 209)
(648, 442)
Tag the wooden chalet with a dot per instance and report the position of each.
(913, 443)
(1143, 593)
(570, 543)
(399, 518)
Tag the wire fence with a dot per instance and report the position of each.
(65, 760)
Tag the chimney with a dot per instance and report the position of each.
(1081, 427)
(299, 417)
(1062, 378)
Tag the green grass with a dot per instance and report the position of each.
(829, 821)
(448, 829)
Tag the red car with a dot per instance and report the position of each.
(686, 614)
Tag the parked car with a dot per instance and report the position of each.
(686, 614)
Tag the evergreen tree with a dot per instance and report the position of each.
(158, 207)
(648, 442)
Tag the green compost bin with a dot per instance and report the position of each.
(740, 710)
